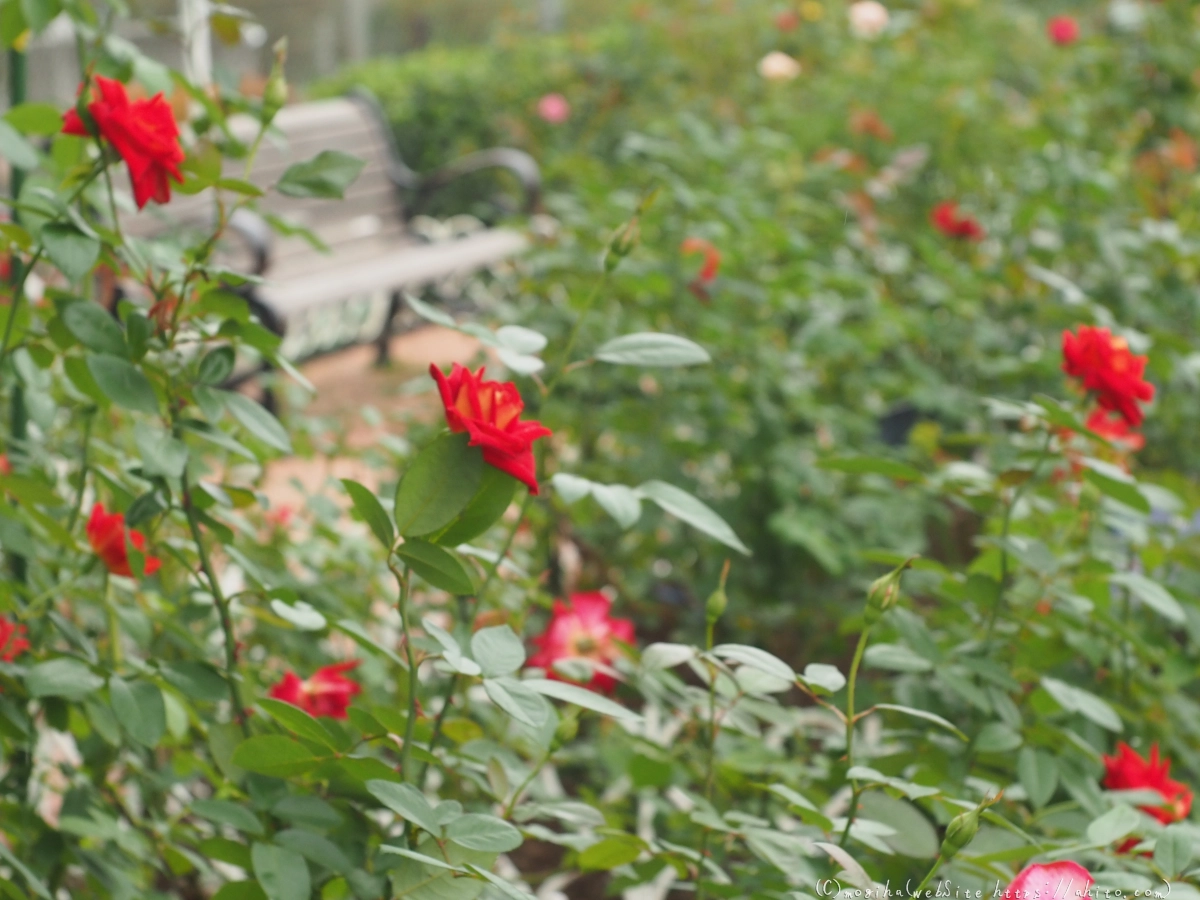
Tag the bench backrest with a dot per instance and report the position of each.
(372, 207)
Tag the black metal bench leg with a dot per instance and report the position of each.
(383, 343)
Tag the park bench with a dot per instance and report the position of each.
(325, 301)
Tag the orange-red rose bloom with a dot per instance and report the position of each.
(1105, 366)
(106, 532)
(1063, 30)
(142, 131)
(490, 412)
(949, 221)
(712, 257)
(327, 693)
(1114, 429)
(1127, 771)
(582, 628)
(12, 640)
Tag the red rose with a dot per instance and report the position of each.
(712, 257)
(582, 628)
(490, 411)
(1106, 366)
(788, 20)
(1056, 881)
(1127, 771)
(327, 693)
(142, 131)
(12, 640)
(5, 465)
(1063, 30)
(1114, 429)
(947, 219)
(106, 533)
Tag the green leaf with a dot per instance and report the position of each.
(40, 13)
(1057, 414)
(216, 366)
(228, 813)
(298, 722)
(518, 701)
(1122, 491)
(70, 249)
(1078, 700)
(14, 147)
(140, 709)
(255, 419)
(1152, 594)
(683, 505)
(63, 677)
(439, 567)
(895, 658)
(363, 639)
(315, 848)
(161, 453)
(1113, 825)
(328, 174)
(240, 890)
(299, 614)
(824, 676)
(507, 888)
(274, 754)
(1174, 849)
(94, 327)
(282, 873)
(652, 349)
(756, 659)
(123, 383)
(35, 118)
(438, 485)
(914, 836)
(922, 714)
(407, 802)
(35, 884)
(872, 465)
(572, 693)
(1038, 772)
(438, 881)
(485, 509)
(476, 831)
(372, 512)
(611, 852)
(197, 680)
(498, 651)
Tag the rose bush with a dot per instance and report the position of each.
(489, 672)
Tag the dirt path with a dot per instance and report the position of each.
(348, 381)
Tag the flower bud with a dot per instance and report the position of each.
(568, 727)
(275, 95)
(622, 244)
(717, 600)
(960, 832)
(885, 592)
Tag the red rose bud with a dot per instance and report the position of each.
(327, 693)
(582, 628)
(143, 132)
(106, 532)
(490, 412)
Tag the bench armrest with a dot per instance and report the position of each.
(518, 162)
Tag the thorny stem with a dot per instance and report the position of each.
(512, 801)
(231, 676)
(711, 762)
(402, 607)
(1004, 532)
(851, 684)
(452, 684)
(937, 864)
